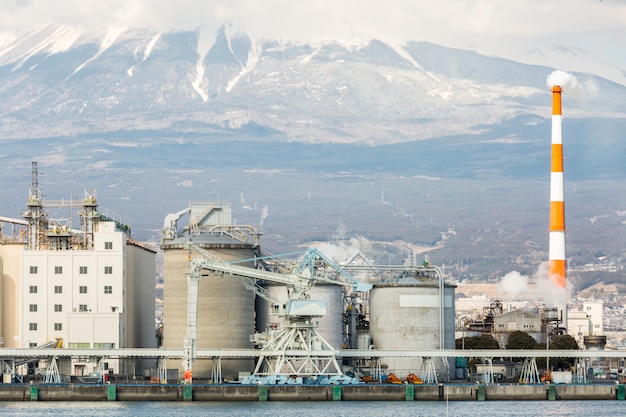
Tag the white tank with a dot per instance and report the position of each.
(329, 326)
(406, 317)
(363, 341)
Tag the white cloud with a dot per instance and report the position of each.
(492, 26)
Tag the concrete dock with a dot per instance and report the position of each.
(373, 392)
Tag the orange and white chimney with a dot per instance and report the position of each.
(556, 261)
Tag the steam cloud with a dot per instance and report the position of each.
(517, 286)
(264, 215)
(564, 80)
(341, 250)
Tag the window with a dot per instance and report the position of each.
(82, 307)
(82, 270)
(58, 270)
(32, 345)
(33, 289)
(33, 269)
(108, 289)
(58, 308)
(101, 345)
(82, 289)
(108, 270)
(58, 289)
(58, 326)
(108, 245)
(32, 326)
(80, 345)
(33, 307)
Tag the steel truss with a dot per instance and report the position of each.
(298, 350)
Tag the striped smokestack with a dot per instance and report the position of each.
(556, 262)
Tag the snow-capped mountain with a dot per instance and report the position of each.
(153, 120)
(57, 82)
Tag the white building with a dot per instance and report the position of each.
(586, 322)
(100, 298)
(92, 288)
(89, 298)
(595, 311)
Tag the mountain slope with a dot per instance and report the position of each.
(57, 82)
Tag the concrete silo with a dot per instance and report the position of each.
(412, 314)
(330, 326)
(225, 313)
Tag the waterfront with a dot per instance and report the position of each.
(305, 409)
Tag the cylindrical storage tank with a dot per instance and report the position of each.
(406, 316)
(594, 342)
(330, 327)
(226, 313)
(363, 341)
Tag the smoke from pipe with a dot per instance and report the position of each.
(562, 79)
(541, 288)
(340, 250)
(572, 86)
(264, 215)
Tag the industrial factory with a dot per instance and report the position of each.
(234, 313)
(303, 303)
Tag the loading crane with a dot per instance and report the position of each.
(297, 350)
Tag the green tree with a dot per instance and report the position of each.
(563, 342)
(520, 340)
(482, 341)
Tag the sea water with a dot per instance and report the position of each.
(320, 409)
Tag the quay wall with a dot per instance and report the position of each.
(372, 392)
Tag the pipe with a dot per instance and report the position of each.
(556, 260)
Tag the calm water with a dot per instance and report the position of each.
(320, 409)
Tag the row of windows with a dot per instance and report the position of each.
(57, 326)
(82, 270)
(83, 345)
(86, 345)
(58, 308)
(58, 289)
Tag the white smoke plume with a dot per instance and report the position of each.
(567, 82)
(540, 288)
(340, 233)
(562, 79)
(513, 284)
(341, 250)
(264, 215)
(552, 294)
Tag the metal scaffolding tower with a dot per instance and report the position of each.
(35, 215)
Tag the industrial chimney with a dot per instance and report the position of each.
(556, 260)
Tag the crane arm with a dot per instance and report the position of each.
(247, 275)
(301, 280)
(245, 280)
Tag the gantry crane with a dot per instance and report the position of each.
(296, 350)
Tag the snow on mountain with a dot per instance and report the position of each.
(39, 41)
(573, 60)
(58, 82)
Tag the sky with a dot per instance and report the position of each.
(501, 27)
